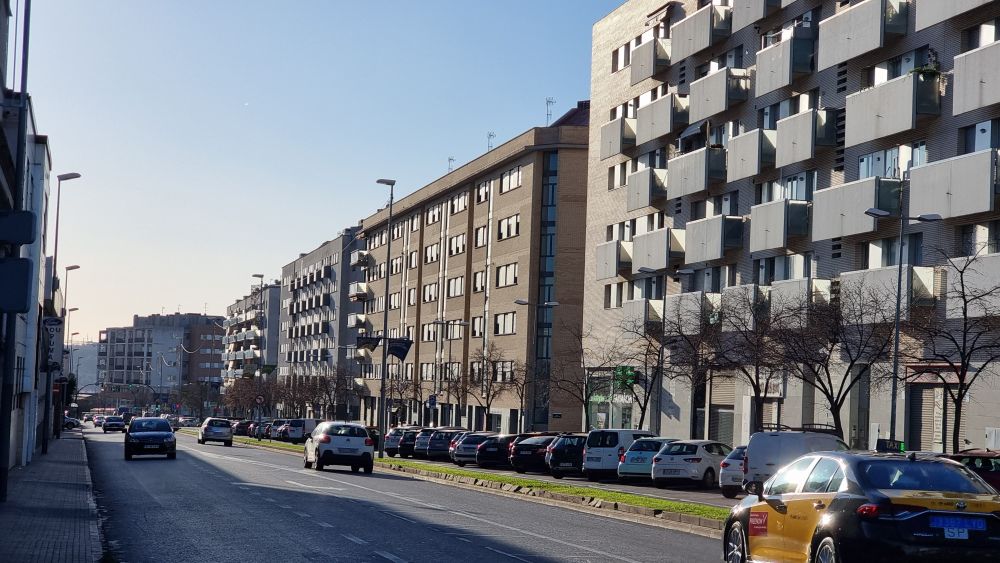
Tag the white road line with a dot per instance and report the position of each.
(325, 524)
(314, 486)
(466, 540)
(303, 515)
(511, 555)
(269, 499)
(390, 557)
(394, 515)
(354, 539)
(284, 506)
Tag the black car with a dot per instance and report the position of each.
(113, 424)
(406, 442)
(495, 450)
(529, 454)
(437, 447)
(150, 436)
(241, 427)
(565, 454)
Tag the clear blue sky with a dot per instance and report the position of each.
(220, 139)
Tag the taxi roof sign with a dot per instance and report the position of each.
(889, 446)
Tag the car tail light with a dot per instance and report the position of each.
(746, 463)
(724, 465)
(548, 449)
(693, 459)
(657, 460)
(621, 454)
(369, 442)
(324, 439)
(868, 511)
(584, 451)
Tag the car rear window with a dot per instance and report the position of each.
(155, 425)
(602, 440)
(645, 446)
(919, 476)
(570, 442)
(427, 432)
(114, 419)
(680, 449)
(474, 439)
(218, 423)
(538, 441)
(737, 453)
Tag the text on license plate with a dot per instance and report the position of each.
(958, 522)
(565, 465)
(589, 458)
(638, 460)
(347, 450)
(152, 446)
(670, 472)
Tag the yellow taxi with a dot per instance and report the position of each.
(831, 507)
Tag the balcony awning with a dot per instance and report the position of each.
(693, 129)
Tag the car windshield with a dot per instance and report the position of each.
(645, 446)
(537, 441)
(152, 425)
(600, 439)
(114, 419)
(737, 453)
(571, 442)
(904, 474)
(680, 449)
(218, 423)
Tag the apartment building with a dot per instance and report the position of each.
(736, 148)
(318, 321)
(466, 249)
(250, 344)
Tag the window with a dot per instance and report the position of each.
(478, 328)
(411, 296)
(788, 481)
(895, 67)
(503, 371)
(980, 136)
(510, 180)
(413, 259)
(430, 292)
(396, 265)
(397, 230)
(507, 275)
(980, 35)
(456, 286)
(504, 323)
(509, 227)
(427, 372)
(432, 253)
(482, 236)
(433, 215)
(456, 245)
(459, 203)
(414, 223)
(479, 282)
(454, 331)
(394, 300)
(820, 479)
(428, 332)
(483, 191)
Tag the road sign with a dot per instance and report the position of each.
(432, 401)
(259, 400)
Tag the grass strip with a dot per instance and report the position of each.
(694, 509)
(254, 442)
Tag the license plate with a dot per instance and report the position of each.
(958, 523)
(593, 458)
(491, 449)
(565, 465)
(525, 453)
(347, 450)
(151, 446)
(956, 533)
(670, 472)
(638, 460)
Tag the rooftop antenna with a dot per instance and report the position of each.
(490, 135)
(451, 163)
(549, 102)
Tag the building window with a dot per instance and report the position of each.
(483, 191)
(430, 292)
(459, 203)
(478, 327)
(428, 332)
(413, 259)
(414, 223)
(456, 286)
(432, 253)
(394, 300)
(478, 282)
(503, 371)
(504, 323)
(456, 245)
(510, 180)
(397, 230)
(509, 227)
(980, 136)
(396, 265)
(507, 275)
(433, 215)
(481, 236)
(427, 372)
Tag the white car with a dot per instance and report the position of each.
(689, 460)
(767, 452)
(216, 430)
(605, 449)
(638, 459)
(339, 443)
(731, 473)
(275, 427)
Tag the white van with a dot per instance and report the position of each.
(605, 448)
(767, 452)
(300, 428)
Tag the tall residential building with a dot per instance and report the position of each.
(250, 345)
(737, 149)
(506, 227)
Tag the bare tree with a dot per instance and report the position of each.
(520, 384)
(572, 372)
(333, 390)
(644, 349)
(491, 374)
(194, 395)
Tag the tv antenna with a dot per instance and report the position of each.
(549, 102)
(451, 163)
(490, 135)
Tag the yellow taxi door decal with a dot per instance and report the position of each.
(764, 531)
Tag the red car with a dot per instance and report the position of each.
(985, 463)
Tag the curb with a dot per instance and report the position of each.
(96, 535)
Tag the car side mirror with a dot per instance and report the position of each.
(755, 488)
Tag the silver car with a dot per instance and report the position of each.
(216, 430)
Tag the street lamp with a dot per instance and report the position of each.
(877, 213)
(260, 322)
(385, 322)
(55, 249)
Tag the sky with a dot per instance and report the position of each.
(221, 139)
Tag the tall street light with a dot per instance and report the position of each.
(260, 322)
(385, 322)
(55, 250)
(534, 379)
(877, 213)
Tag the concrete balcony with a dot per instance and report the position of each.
(954, 187)
(695, 171)
(646, 187)
(793, 294)
(860, 29)
(643, 311)
(718, 91)
(783, 62)
(699, 31)
(661, 117)
(840, 211)
(891, 107)
(932, 12)
(980, 280)
(976, 79)
(649, 59)
(657, 250)
(686, 313)
(612, 259)
(799, 135)
(773, 224)
(710, 238)
(616, 136)
(362, 354)
(359, 258)
(743, 305)
(358, 291)
(875, 289)
(356, 320)
(750, 153)
(746, 12)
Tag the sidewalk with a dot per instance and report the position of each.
(50, 514)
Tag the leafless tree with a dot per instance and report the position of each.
(573, 372)
(644, 350)
(334, 389)
(491, 373)
(194, 395)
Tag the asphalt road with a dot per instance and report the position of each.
(244, 504)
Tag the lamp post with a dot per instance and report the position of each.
(877, 213)
(55, 248)
(534, 379)
(385, 322)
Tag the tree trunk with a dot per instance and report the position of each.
(956, 425)
(837, 422)
(758, 415)
(586, 415)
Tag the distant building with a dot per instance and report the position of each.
(250, 344)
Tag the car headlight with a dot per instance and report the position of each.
(168, 439)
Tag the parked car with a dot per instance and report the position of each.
(420, 445)
(689, 461)
(565, 454)
(70, 423)
(87, 417)
(216, 430)
(985, 463)
(605, 448)
(99, 421)
(769, 451)
(242, 427)
(528, 454)
(440, 441)
(494, 450)
(454, 444)
(275, 426)
(731, 473)
(637, 462)
(113, 424)
(392, 439)
(858, 506)
(298, 429)
(339, 443)
(188, 422)
(150, 436)
(465, 448)
(407, 441)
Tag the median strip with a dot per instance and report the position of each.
(282, 446)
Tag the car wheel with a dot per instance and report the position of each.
(200, 441)
(228, 444)
(105, 431)
(390, 454)
(123, 430)
(172, 455)
(318, 466)
(369, 467)
(660, 483)
(460, 463)
(355, 468)
(826, 552)
(591, 476)
(556, 475)
(708, 479)
(730, 492)
(622, 479)
(736, 545)
(305, 461)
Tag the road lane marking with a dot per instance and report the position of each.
(466, 540)
(354, 539)
(269, 499)
(511, 555)
(303, 515)
(284, 506)
(325, 525)
(314, 486)
(390, 557)
(394, 515)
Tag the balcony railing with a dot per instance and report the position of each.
(649, 59)
(891, 107)
(686, 313)
(955, 187)
(977, 78)
(743, 306)
(790, 300)
(658, 249)
(750, 153)
(860, 29)
(359, 258)
(718, 91)
(878, 285)
(661, 117)
(746, 12)
(980, 281)
(358, 291)
(695, 171)
(799, 135)
(779, 64)
(643, 311)
(699, 31)
(773, 224)
(612, 259)
(646, 187)
(356, 320)
(840, 211)
(931, 12)
(616, 136)
(710, 238)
